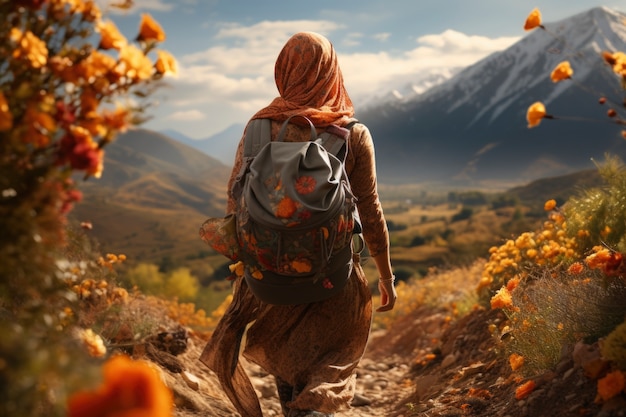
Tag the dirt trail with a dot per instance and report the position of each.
(423, 366)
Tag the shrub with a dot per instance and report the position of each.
(66, 79)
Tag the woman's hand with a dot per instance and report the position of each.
(388, 294)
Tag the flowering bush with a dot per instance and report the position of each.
(566, 282)
(129, 388)
(69, 83)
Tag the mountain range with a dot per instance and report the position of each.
(472, 129)
(467, 131)
(469, 128)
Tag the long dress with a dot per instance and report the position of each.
(313, 347)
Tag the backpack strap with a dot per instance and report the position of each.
(335, 139)
(258, 133)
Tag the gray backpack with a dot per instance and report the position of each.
(296, 214)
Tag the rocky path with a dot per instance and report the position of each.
(425, 365)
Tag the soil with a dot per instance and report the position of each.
(424, 365)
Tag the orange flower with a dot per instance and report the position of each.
(305, 185)
(6, 117)
(575, 268)
(110, 36)
(39, 125)
(301, 265)
(30, 47)
(286, 208)
(512, 284)
(549, 205)
(117, 119)
(134, 64)
(563, 71)
(533, 20)
(237, 268)
(64, 68)
(166, 64)
(91, 12)
(516, 361)
(617, 61)
(129, 388)
(502, 299)
(536, 112)
(98, 65)
(524, 390)
(611, 385)
(150, 30)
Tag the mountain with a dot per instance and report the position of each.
(471, 130)
(221, 146)
(411, 87)
(153, 195)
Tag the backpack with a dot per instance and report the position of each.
(296, 214)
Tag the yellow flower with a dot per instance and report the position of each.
(129, 388)
(166, 64)
(549, 205)
(91, 12)
(237, 268)
(93, 342)
(536, 112)
(99, 64)
(6, 117)
(134, 64)
(256, 274)
(563, 71)
(150, 30)
(533, 20)
(30, 47)
(502, 299)
(111, 38)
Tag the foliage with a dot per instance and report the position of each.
(446, 290)
(69, 82)
(613, 347)
(566, 283)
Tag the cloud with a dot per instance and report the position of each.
(137, 5)
(235, 76)
(187, 115)
(382, 37)
(368, 73)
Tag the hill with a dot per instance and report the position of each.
(153, 195)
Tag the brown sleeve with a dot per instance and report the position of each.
(361, 169)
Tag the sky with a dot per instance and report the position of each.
(226, 49)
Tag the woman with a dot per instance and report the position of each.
(311, 349)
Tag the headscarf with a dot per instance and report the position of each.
(310, 83)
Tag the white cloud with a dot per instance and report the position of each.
(382, 37)
(235, 76)
(368, 73)
(187, 115)
(137, 5)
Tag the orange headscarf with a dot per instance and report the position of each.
(310, 83)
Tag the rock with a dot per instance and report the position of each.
(360, 400)
(191, 380)
(448, 360)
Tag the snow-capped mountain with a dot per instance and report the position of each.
(409, 89)
(472, 127)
